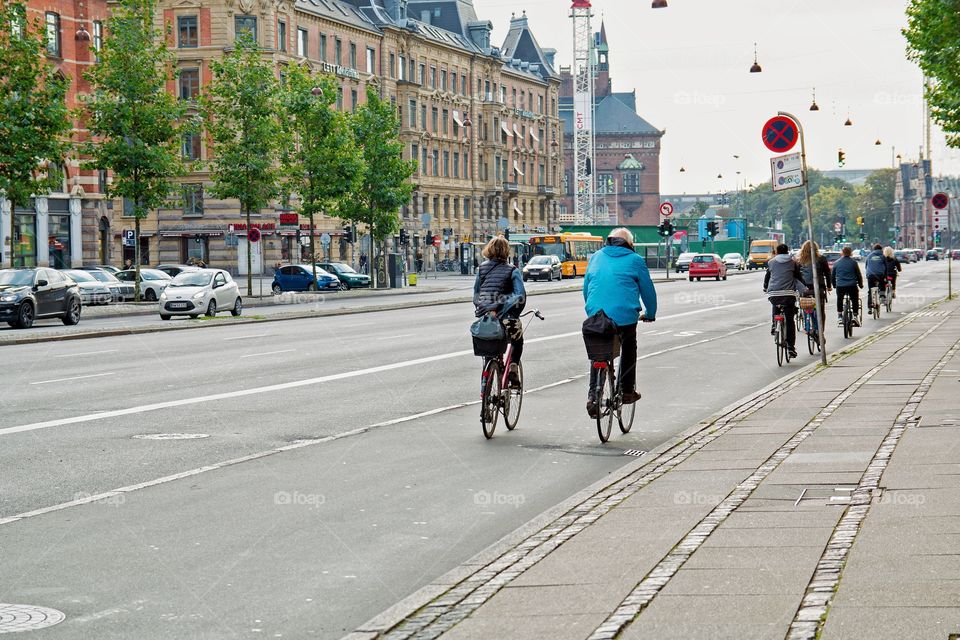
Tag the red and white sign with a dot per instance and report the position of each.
(253, 235)
(779, 134)
(436, 241)
(837, 227)
(940, 200)
(666, 209)
(940, 221)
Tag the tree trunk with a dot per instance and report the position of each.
(13, 225)
(136, 254)
(249, 256)
(313, 249)
(373, 254)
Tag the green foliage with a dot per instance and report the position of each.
(932, 33)
(137, 126)
(34, 120)
(385, 185)
(240, 109)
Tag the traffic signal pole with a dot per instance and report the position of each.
(821, 315)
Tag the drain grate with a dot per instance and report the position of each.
(171, 436)
(636, 453)
(27, 617)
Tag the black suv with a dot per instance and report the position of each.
(29, 294)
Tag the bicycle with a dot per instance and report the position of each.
(497, 395)
(810, 324)
(608, 390)
(847, 316)
(874, 297)
(888, 295)
(780, 326)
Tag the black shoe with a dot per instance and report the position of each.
(629, 397)
(592, 409)
(792, 352)
(773, 328)
(514, 376)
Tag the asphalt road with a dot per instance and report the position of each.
(386, 481)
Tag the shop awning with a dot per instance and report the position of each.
(516, 208)
(456, 118)
(506, 129)
(533, 134)
(516, 167)
(516, 130)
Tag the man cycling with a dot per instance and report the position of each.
(498, 290)
(616, 281)
(876, 271)
(783, 274)
(893, 268)
(848, 282)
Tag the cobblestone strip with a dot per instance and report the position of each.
(663, 572)
(812, 613)
(457, 603)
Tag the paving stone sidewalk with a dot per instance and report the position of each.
(827, 507)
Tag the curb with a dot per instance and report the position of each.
(394, 615)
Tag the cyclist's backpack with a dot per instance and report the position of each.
(599, 336)
(489, 337)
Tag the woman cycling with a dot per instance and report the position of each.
(806, 268)
(498, 290)
(893, 268)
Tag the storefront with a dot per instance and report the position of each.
(45, 233)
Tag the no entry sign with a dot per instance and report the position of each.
(940, 200)
(780, 134)
(666, 209)
(253, 235)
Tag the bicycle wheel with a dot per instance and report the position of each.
(783, 343)
(888, 298)
(874, 295)
(512, 402)
(490, 397)
(625, 412)
(812, 339)
(847, 318)
(777, 333)
(604, 393)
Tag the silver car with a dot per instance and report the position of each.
(734, 261)
(152, 282)
(92, 291)
(201, 291)
(542, 268)
(121, 291)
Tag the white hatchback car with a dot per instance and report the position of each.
(202, 291)
(734, 261)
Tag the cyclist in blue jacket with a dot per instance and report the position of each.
(876, 268)
(616, 282)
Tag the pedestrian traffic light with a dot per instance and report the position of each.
(863, 236)
(403, 236)
(506, 233)
(348, 234)
(841, 157)
(936, 237)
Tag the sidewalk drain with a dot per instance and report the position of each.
(636, 453)
(27, 617)
(171, 436)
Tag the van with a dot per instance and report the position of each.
(760, 252)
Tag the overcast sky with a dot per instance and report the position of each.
(690, 61)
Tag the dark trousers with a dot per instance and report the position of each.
(789, 305)
(515, 333)
(854, 292)
(628, 358)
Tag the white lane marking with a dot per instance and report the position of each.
(267, 353)
(402, 335)
(92, 375)
(307, 443)
(256, 335)
(909, 284)
(229, 395)
(85, 353)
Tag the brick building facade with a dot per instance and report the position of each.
(481, 121)
(71, 225)
(627, 150)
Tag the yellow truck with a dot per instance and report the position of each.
(760, 252)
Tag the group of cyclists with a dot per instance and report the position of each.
(787, 274)
(618, 290)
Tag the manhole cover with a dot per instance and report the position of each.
(172, 436)
(27, 617)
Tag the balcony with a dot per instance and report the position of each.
(546, 190)
(511, 187)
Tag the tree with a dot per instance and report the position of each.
(874, 202)
(241, 109)
(933, 29)
(324, 165)
(385, 185)
(137, 127)
(34, 119)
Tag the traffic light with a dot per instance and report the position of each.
(863, 236)
(506, 233)
(403, 236)
(841, 157)
(712, 229)
(860, 220)
(670, 228)
(348, 234)
(936, 237)
(662, 229)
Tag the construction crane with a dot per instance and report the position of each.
(583, 148)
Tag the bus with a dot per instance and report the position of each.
(573, 249)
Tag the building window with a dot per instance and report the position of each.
(282, 35)
(371, 61)
(402, 67)
(101, 180)
(245, 26)
(446, 164)
(338, 52)
(631, 182)
(302, 42)
(415, 155)
(413, 114)
(433, 77)
(353, 99)
(191, 146)
(456, 164)
(353, 56)
(340, 98)
(187, 32)
(189, 82)
(423, 165)
(436, 162)
(53, 34)
(323, 47)
(422, 75)
(434, 119)
(446, 122)
(97, 38)
(423, 117)
(466, 165)
(443, 79)
(541, 174)
(393, 66)
(192, 199)
(605, 183)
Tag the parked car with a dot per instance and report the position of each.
(831, 256)
(932, 255)
(859, 255)
(104, 267)
(955, 254)
(152, 282)
(543, 268)
(30, 294)
(299, 277)
(200, 291)
(348, 277)
(92, 291)
(707, 265)
(173, 270)
(734, 261)
(683, 262)
(121, 290)
(905, 257)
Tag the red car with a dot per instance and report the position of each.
(707, 265)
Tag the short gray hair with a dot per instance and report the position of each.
(622, 232)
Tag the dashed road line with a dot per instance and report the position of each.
(92, 375)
